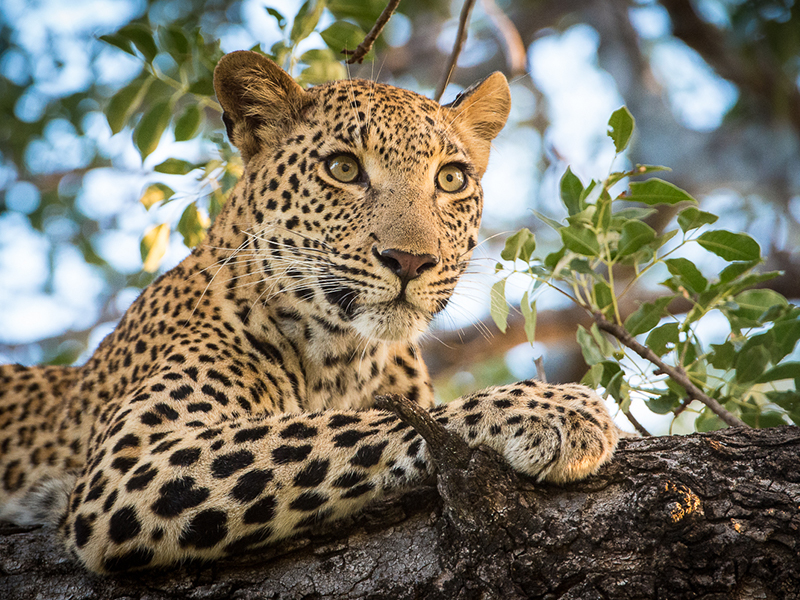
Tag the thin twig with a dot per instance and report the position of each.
(539, 364)
(636, 425)
(461, 38)
(677, 374)
(684, 405)
(357, 55)
(513, 46)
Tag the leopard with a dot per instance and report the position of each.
(233, 406)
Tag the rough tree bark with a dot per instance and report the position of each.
(703, 516)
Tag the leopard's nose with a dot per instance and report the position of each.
(405, 265)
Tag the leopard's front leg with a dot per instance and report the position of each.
(164, 487)
(556, 433)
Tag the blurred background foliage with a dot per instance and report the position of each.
(112, 156)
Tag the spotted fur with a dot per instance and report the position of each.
(231, 406)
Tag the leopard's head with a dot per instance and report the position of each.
(365, 199)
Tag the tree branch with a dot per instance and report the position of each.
(447, 449)
(357, 55)
(513, 47)
(461, 38)
(677, 373)
(698, 516)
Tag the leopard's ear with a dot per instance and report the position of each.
(483, 106)
(480, 112)
(257, 97)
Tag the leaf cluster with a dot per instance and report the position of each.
(174, 93)
(605, 237)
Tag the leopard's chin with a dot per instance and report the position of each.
(397, 321)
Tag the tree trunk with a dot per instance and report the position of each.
(702, 516)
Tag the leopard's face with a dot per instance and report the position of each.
(367, 199)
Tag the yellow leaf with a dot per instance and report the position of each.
(154, 245)
(235, 168)
(192, 226)
(158, 192)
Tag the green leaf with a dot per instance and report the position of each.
(660, 338)
(551, 260)
(581, 265)
(634, 212)
(692, 217)
(528, 310)
(645, 169)
(215, 203)
(306, 19)
(730, 246)
(708, 421)
(601, 340)
(698, 370)
(735, 270)
(665, 403)
(754, 303)
(748, 281)
(602, 214)
(591, 193)
(175, 42)
(757, 418)
(153, 246)
(142, 38)
(119, 41)
(778, 312)
(593, 376)
(548, 221)
(192, 226)
(498, 305)
(343, 35)
(519, 246)
(125, 102)
(663, 239)
(676, 388)
(689, 276)
(580, 240)
(616, 384)
(647, 316)
(635, 234)
(571, 190)
(175, 166)
(657, 191)
(279, 52)
(620, 128)
(603, 297)
(785, 335)
(589, 348)
(277, 16)
(155, 193)
(751, 363)
(187, 124)
(722, 355)
(202, 86)
(152, 125)
(323, 66)
(787, 370)
(788, 400)
(365, 12)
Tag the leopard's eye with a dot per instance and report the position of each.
(451, 178)
(343, 167)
